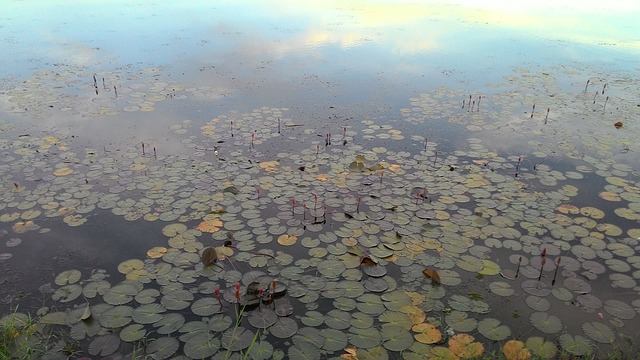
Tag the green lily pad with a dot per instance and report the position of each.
(263, 318)
(133, 332)
(542, 348)
(395, 338)
(493, 330)
(599, 332)
(334, 340)
(364, 338)
(578, 345)
(148, 313)
(284, 328)
(104, 345)
(549, 324)
(237, 338)
(162, 348)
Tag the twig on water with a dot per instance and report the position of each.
(546, 117)
(553, 282)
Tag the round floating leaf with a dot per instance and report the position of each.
(599, 332)
(206, 306)
(396, 318)
(68, 277)
(177, 299)
(538, 303)
(619, 309)
(309, 335)
(376, 285)
(338, 319)
(427, 333)
(162, 348)
(261, 350)
(104, 345)
(67, 293)
(441, 353)
(120, 294)
(535, 287)
(284, 328)
(156, 252)
(116, 317)
(541, 348)
(364, 338)
(148, 313)
(334, 340)
(395, 300)
(515, 350)
(147, 296)
(236, 339)
(395, 338)
(375, 270)
(577, 345)
(170, 323)
(546, 323)
(304, 351)
(201, 346)
(64, 172)
(489, 268)
(331, 268)
(133, 332)
(492, 329)
(130, 265)
(460, 321)
(501, 288)
(263, 318)
(464, 346)
(287, 240)
(210, 225)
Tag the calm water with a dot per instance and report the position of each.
(470, 141)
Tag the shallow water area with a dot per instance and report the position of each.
(379, 179)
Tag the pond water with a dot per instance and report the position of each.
(374, 179)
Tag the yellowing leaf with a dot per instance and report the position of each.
(210, 226)
(516, 350)
(394, 167)
(269, 166)
(62, 171)
(427, 333)
(433, 275)
(351, 354)
(156, 252)
(287, 240)
(464, 347)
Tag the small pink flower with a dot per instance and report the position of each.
(217, 293)
(237, 291)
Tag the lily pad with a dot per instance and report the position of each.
(599, 332)
(493, 330)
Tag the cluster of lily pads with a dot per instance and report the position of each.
(284, 239)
